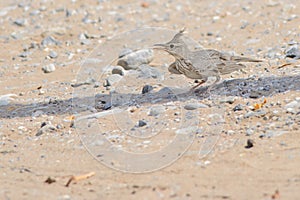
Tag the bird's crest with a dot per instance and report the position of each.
(179, 34)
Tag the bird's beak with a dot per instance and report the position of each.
(159, 46)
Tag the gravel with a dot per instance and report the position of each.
(156, 110)
(293, 52)
(49, 68)
(112, 80)
(45, 128)
(194, 106)
(49, 40)
(147, 89)
(118, 70)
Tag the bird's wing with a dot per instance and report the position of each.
(214, 54)
(228, 67)
(212, 60)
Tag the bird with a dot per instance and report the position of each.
(200, 64)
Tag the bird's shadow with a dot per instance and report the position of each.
(246, 88)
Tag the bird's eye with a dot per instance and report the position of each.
(171, 45)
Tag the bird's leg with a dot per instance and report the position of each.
(193, 88)
(201, 82)
(218, 78)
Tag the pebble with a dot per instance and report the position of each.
(118, 70)
(249, 132)
(190, 129)
(25, 54)
(53, 54)
(230, 132)
(88, 81)
(194, 106)
(37, 113)
(292, 107)
(255, 113)
(156, 110)
(293, 52)
(49, 40)
(254, 94)
(7, 99)
(112, 79)
(250, 144)
(85, 42)
(147, 89)
(107, 105)
(135, 59)
(238, 107)
(142, 123)
(150, 72)
(20, 22)
(45, 128)
(49, 68)
(229, 100)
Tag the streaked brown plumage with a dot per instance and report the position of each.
(201, 64)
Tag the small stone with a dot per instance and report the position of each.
(142, 123)
(82, 36)
(188, 130)
(250, 144)
(35, 12)
(229, 100)
(149, 72)
(37, 113)
(249, 132)
(156, 110)
(292, 107)
(97, 84)
(293, 52)
(107, 105)
(49, 40)
(258, 113)
(230, 132)
(59, 126)
(41, 92)
(112, 79)
(88, 81)
(85, 42)
(50, 180)
(291, 110)
(254, 94)
(25, 54)
(7, 99)
(238, 107)
(209, 33)
(20, 22)
(48, 128)
(53, 54)
(135, 59)
(118, 70)
(147, 89)
(194, 106)
(49, 68)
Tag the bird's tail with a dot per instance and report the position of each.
(244, 59)
(229, 67)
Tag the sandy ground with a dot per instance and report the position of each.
(218, 165)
